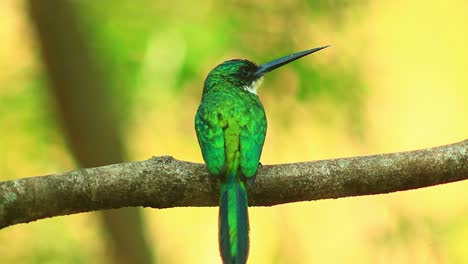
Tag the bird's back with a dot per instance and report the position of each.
(231, 120)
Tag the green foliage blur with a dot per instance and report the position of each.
(186, 41)
(394, 79)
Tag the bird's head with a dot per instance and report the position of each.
(246, 75)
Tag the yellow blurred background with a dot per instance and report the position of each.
(408, 90)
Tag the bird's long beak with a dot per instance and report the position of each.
(274, 64)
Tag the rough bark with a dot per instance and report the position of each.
(164, 182)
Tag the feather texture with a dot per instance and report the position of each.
(233, 221)
(231, 127)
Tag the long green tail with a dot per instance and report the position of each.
(233, 221)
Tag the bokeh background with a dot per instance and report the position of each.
(394, 79)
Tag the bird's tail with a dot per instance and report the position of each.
(233, 220)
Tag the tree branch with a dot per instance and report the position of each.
(163, 182)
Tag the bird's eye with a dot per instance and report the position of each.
(244, 72)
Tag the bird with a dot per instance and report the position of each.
(231, 126)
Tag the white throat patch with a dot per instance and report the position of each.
(254, 86)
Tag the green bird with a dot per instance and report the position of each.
(231, 126)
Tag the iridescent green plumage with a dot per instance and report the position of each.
(231, 126)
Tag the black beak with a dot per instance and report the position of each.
(269, 66)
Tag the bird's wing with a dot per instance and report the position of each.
(252, 137)
(211, 139)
